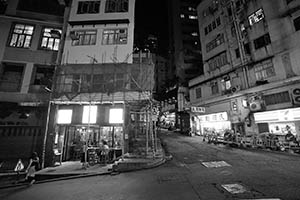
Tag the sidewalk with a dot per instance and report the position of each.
(74, 169)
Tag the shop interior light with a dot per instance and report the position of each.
(116, 116)
(64, 116)
(89, 114)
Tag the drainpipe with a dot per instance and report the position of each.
(240, 44)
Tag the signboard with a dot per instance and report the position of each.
(198, 109)
(278, 115)
(19, 166)
(216, 117)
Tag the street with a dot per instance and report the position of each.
(197, 171)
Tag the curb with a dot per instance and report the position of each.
(58, 179)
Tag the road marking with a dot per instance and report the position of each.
(234, 188)
(216, 164)
(263, 199)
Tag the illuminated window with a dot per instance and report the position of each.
(50, 39)
(89, 114)
(114, 36)
(194, 34)
(192, 17)
(256, 17)
(21, 36)
(85, 37)
(182, 16)
(116, 116)
(64, 116)
(264, 70)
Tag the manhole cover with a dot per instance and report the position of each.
(234, 188)
(216, 164)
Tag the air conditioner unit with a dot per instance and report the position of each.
(255, 106)
(296, 96)
(235, 88)
(74, 35)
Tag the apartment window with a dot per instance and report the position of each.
(116, 6)
(85, 37)
(21, 36)
(217, 61)
(198, 93)
(247, 48)
(88, 7)
(11, 77)
(43, 75)
(214, 87)
(226, 84)
(193, 17)
(262, 41)
(237, 53)
(114, 36)
(297, 23)
(256, 17)
(214, 43)
(264, 70)
(277, 98)
(51, 39)
(213, 25)
(98, 83)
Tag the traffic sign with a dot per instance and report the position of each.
(19, 166)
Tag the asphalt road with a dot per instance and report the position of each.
(197, 171)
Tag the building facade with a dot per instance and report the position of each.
(185, 61)
(29, 44)
(251, 60)
(100, 92)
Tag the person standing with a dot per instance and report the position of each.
(33, 167)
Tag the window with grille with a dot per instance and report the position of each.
(21, 36)
(256, 17)
(43, 75)
(50, 39)
(215, 42)
(88, 7)
(198, 93)
(277, 98)
(264, 70)
(114, 36)
(85, 37)
(262, 41)
(217, 61)
(112, 6)
(11, 77)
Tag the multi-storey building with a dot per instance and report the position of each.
(29, 44)
(185, 58)
(251, 76)
(99, 90)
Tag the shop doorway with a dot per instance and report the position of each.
(70, 139)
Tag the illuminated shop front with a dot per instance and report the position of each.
(77, 126)
(215, 123)
(279, 122)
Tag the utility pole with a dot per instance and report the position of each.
(58, 62)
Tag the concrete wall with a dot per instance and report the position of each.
(102, 53)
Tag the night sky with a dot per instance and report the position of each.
(151, 18)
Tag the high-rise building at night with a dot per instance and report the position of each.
(251, 61)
